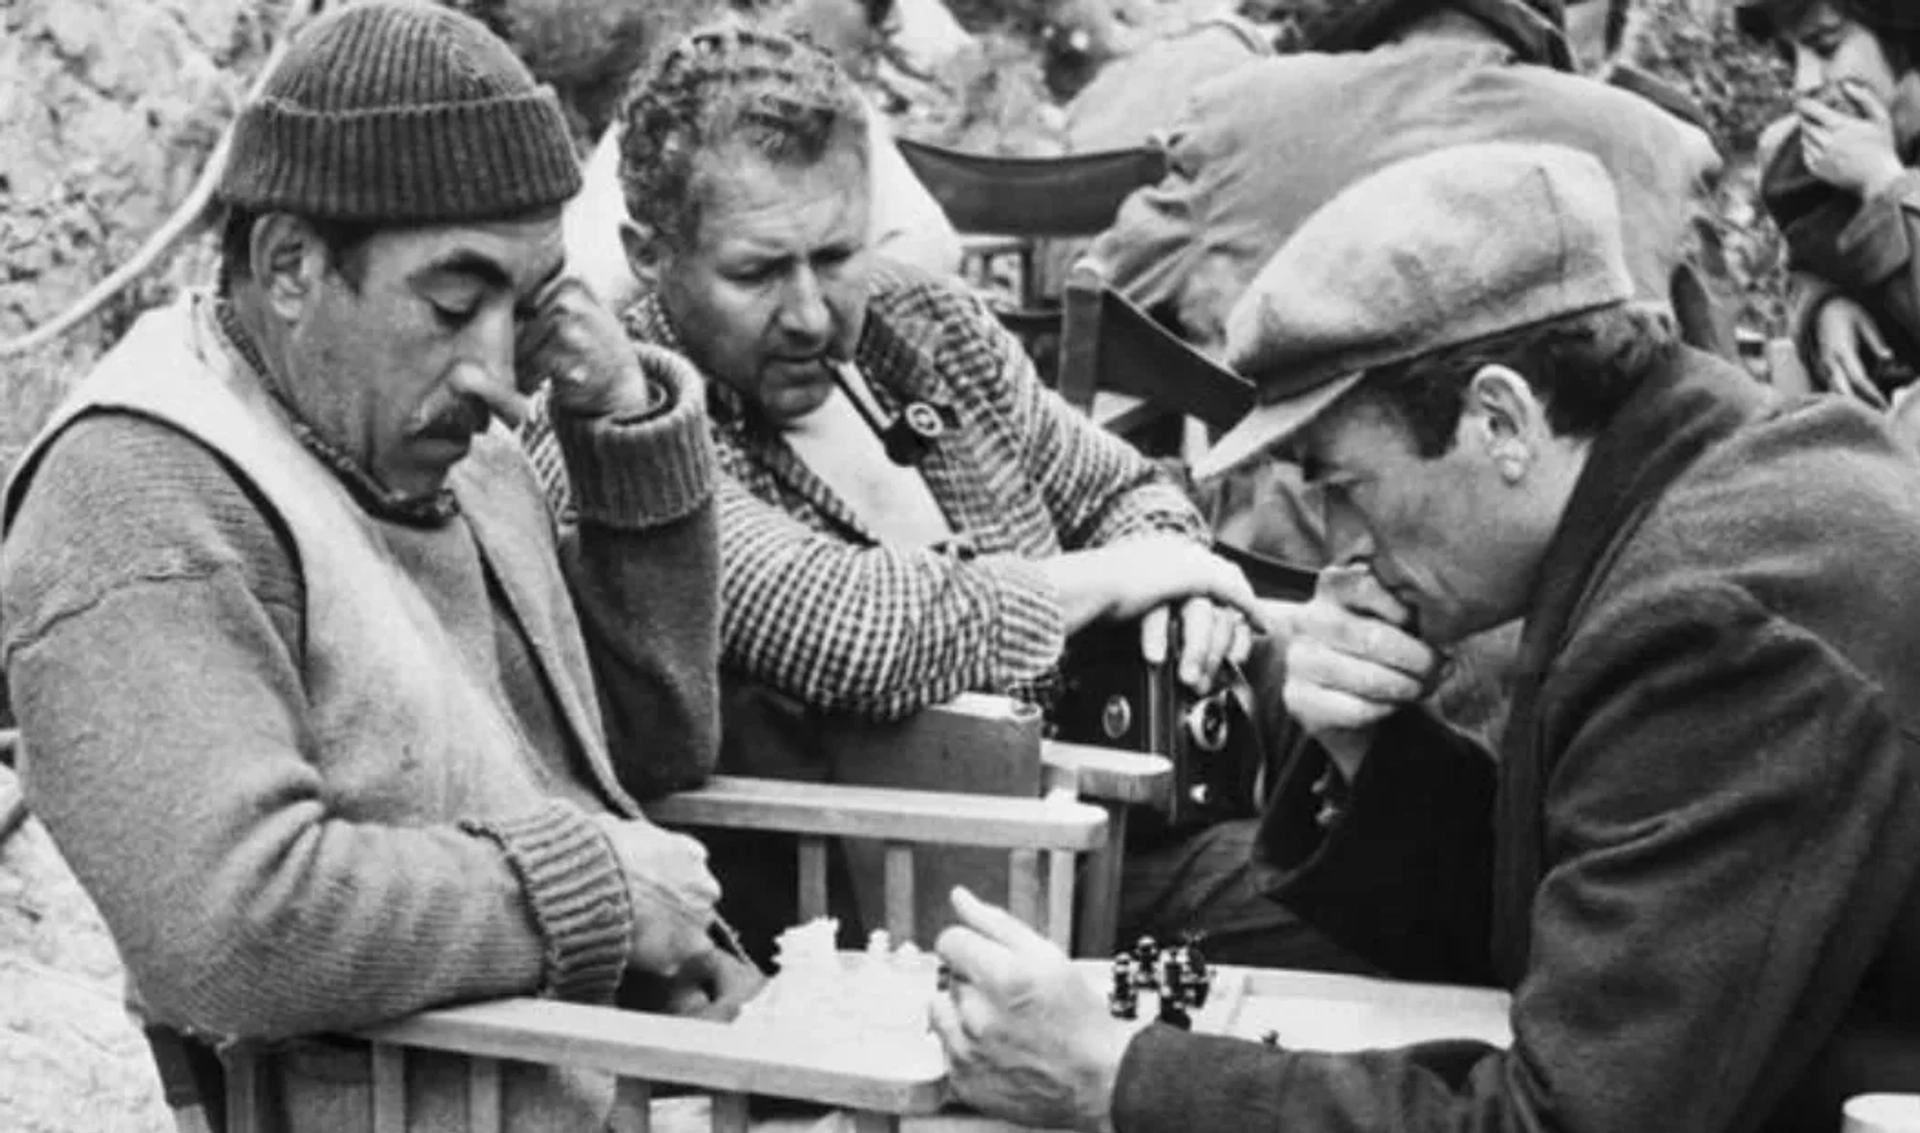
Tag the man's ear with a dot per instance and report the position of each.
(288, 261)
(646, 253)
(1506, 419)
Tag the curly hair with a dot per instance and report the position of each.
(728, 84)
(1584, 366)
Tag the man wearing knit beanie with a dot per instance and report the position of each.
(291, 635)
(1695, 862)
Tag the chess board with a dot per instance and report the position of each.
(1316, 1011)
(852, 1024)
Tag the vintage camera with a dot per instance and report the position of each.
(1111, 697)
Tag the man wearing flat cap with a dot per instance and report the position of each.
(1696, 860)
(309, 701)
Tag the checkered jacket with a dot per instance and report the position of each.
(816, 606)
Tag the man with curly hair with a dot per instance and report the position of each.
(909, 514)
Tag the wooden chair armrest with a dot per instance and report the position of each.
(1111, 774)
(665, 1048)
(885, 813)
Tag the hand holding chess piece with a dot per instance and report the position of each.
(1028, 1037)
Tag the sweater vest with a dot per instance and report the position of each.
(399, 726)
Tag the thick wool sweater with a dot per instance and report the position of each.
(306, 802)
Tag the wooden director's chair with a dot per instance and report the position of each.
(1003, 206)
(974, 744)
(1136, 377)
(996, 744)
(1038, 838)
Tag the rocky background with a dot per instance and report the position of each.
(109, 110)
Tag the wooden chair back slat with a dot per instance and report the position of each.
(813, 877)
(632, 1107)
(483, 1096)
(1061, 900)
(730, 1113)
(389, 1088)
(899, 890)
(1098, 917)
(1023, 886)
(246, 1098)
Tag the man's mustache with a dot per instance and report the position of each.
(459, 423)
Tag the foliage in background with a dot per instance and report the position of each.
(1742, 86)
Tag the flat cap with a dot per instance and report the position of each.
(1436, 251)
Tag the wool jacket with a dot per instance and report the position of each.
(817, 607)
(1695, 864)
(1264, 145)
(318, 769)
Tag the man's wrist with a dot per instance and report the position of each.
(1881, 178)
(1081, 589)
(629, 396)
(1115, 1037)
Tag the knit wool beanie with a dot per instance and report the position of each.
(400, 112)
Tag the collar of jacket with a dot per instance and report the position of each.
(1681, 410)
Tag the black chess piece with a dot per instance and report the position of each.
(1171, 980)
(1174, 1003)
(1123, 1001)
(1195, 976)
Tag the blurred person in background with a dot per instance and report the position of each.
(1838, 179)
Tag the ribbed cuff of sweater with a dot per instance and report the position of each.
(1029, 629)
(578, 895)
(639, 472)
